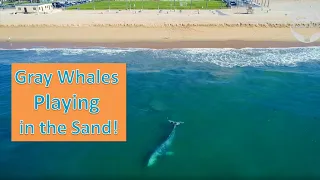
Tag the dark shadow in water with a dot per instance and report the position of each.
(166, 128)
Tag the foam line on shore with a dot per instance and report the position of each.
(222, 25)
(245, 57)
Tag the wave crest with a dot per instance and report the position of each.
(224, 57)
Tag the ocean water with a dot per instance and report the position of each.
(248, 113)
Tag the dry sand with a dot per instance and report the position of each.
(271, 24)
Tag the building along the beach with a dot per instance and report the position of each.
(34, 8)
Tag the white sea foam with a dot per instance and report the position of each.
(253, 56)
(224, 57)
(79, 51)
(75, 51)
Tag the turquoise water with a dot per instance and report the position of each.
(248, 113)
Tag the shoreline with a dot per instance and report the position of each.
(153, 38)
(156, 38)
(157, 45)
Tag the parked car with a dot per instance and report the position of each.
(232, 3)
(7, 6)
(11, 5)
(68, 4)
(57, 5)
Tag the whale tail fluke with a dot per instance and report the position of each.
(175, 122)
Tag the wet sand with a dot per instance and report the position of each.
(159, 45)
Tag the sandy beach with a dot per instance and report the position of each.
(189, 28)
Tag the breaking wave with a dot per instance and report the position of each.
(226, 57)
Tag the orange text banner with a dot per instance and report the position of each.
(68, 102)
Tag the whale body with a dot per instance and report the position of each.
(163, 148)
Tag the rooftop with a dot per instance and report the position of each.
(33, 4)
